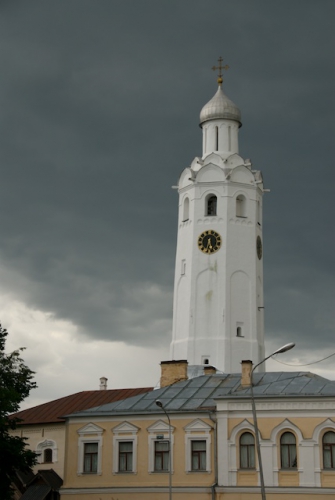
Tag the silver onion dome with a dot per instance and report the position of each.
(220, 107)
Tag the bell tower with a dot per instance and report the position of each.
(218, 287)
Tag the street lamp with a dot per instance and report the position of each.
(285, 348)
(160, 405)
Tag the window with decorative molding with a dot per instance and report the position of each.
(198, 451)
(198, 446)
(162, 453)
(125, 456)
(125, 448)
(288, 451)
(328, 449)
(247, 451)
(90, 458)
(47, 456)
(90, 449)
(47, 452)
(160, 447)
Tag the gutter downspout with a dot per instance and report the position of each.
(215, 457)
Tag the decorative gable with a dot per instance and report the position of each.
(197, 425)
(90, 429)
(159, 427)
(125, 428)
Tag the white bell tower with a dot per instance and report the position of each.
(218, 289)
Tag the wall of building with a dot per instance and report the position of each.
(40, 437)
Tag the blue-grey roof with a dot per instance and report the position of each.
(200, 393)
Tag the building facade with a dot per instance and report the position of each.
(218, 289)
(122, 450)
(43, 426)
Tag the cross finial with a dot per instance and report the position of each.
(220, 68)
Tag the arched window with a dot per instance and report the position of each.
(247, 451)
(288, 451)
(240, 206)
(186, 209)
(47, 456)
(328, 449)
(239, 331)
(216, 138)
(211, 205)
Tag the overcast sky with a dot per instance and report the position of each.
(99, 108)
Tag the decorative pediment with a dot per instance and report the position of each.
(125, 428)
(244, 426)
(159, 426)
(327, 425)
(47, 443)
(90, 429)
(286, 425)
(197, 425)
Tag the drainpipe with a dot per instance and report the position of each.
(215, 457)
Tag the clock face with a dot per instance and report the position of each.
(259, 247)
(209, 241)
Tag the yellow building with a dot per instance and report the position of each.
(43, 426)
(120, 451)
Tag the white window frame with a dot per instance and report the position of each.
(91, 433)
(159, 428)
(124, 432)
(197, 430)
(43, 445)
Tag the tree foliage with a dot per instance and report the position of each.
(16, 382)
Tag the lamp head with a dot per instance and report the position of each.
(159, 403)
(285, 348)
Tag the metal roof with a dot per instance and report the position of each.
(54, 410)
(200, 393)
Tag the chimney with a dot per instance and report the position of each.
(103, 384)
(173, 371)
(209, 370)
(246, 373)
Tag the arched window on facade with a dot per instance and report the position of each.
(247, 451)
(328, 450)
(288, 451)
(240, 206)
(186, 209)
(211, 205)
(47, 456)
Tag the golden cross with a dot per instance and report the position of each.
(220, 68)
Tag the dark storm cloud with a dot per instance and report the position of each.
(99, 115)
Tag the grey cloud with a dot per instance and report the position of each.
(100, 108)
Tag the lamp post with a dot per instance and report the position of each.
(160, 405)
(285, 348)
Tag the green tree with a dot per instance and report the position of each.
(16, 382)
